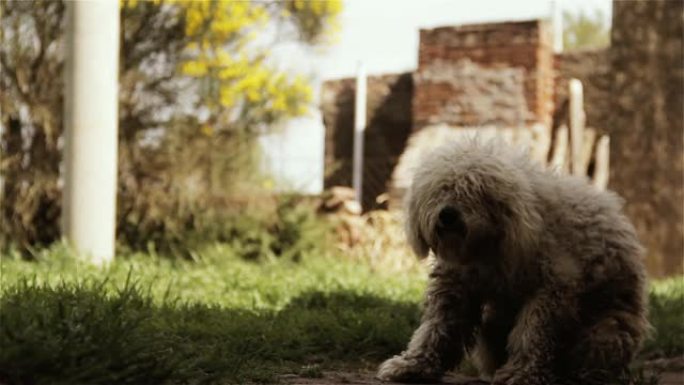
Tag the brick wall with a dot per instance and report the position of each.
(497, 74)
(513, 46)
(467, 94)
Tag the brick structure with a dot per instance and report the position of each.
(646, 124)
(484, 74)
(522, 47)
(504, 74)
(467, 94)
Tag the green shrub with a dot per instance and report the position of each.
(271, 227)
(667, 317)
(297, 230)
(289, 230)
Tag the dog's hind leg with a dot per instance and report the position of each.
(604, 350)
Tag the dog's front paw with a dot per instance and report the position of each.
(409, 370)
(520, 375)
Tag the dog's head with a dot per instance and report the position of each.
(472, 201)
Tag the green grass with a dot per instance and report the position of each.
(667, 317)
(219, 319)
(216, 320)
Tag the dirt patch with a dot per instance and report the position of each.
(366, 378)
(672, 378)
(671, 373)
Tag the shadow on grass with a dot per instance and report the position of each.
(79, 334)
(86, 334)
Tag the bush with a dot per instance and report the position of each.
(289, 231)
(265, 227)
(667, 317)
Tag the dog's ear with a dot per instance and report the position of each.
(413, 227)
(417, 242)
(520, 219)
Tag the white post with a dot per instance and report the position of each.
(91, 124)
(559, 158)
(359, 128)
(540, 142)
(602, 163)
(557, 26)
(577, 119)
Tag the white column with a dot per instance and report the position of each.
(577, 120)
(359, 129)
(602, 165)
(91, 124)
(557, 26)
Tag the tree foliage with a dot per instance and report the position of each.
(195, 76)
(584, 30)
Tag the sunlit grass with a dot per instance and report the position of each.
(218, 319)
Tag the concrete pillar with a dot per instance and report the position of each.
(91, 123)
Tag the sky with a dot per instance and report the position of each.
(383, 34)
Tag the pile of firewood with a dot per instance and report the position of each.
(376, 237)
(340, 206)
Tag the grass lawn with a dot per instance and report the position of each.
(219, 319)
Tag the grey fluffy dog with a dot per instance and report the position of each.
(538, 276)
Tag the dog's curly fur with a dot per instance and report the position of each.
(538, 276)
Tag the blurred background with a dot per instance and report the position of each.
(237, 126)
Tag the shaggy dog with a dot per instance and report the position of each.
(538, 276)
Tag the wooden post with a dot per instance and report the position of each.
(577, 120)
(91, 125)
(541, 142)
(359, 129)
(602, 163)
(560, 150)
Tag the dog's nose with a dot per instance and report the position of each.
(451, 220)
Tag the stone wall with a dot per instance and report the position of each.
(646, 124)
(389, 125)
(513, 46)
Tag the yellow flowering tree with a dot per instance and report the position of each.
(223, 50)
(197, 83)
